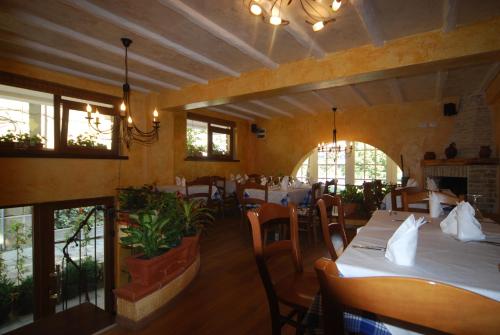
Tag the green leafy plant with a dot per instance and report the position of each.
(352, 194)
(10, 137)
(194, 216)
(152, 232)
(87, 141)
(6, 294)
(24, 296)
(20, 239)
(92, 273)
(191, 148)
(147, 198)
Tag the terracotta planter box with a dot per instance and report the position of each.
(156, 270)
(350, 208)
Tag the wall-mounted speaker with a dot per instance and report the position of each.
(259, 132)
(449, 109)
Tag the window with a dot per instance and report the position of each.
(303, 172)
(209, 138)
(364, 163)
(42, 119)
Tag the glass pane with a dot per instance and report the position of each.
(381, 175)
(16, 268)
(381, 158)
(82, 135)
(221, 144)
(359, 182)
(340, 171)
(28, 116)
(330, 171)
(370, 157)
(359, 156)
(87, 254)
(359, 146)
(370, 172)
(197, 138)
(359, 172)
(321, 157)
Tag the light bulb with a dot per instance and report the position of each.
(129, 120)
(336, 5)
(275, 20)
(255, 9)
(318, 26)
(155, 113)
(89, 109)
(97, 113)
(123, 107)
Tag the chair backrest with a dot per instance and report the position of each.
(254, 177)
(329, 183)
(410, 197)
(220, 183)
(244, 200)
(263, 252)
(425, 303)
(328, 228)
(315, 195)
(200, 192)
(398, 193)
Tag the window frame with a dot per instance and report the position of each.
(60, 123)
(212, 127)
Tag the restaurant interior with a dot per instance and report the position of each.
(249, 167)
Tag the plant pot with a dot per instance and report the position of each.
(485, 151)
(159, 269)
(430, 155)
(37, 146)
(451, 151)
(350, 208)
(7, 145)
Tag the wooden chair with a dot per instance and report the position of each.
(307, 215)
(332, 230)
(296, 290)
(220, 184)
(398, 193)
(204, 196)
(247, 203)
(254, 178)
(329, 183)
(433, 305)
(409, 197)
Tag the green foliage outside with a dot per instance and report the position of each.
(23, 138)
(92, 274)
(20, 239)
(192, 135)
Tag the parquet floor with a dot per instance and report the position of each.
(227, 297)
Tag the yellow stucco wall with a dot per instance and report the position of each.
(245, 150)
(395, 129)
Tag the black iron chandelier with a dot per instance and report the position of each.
(317, 13)
(129, 131)
(334, 147)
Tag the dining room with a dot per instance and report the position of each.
(249, 167)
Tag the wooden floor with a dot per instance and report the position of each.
(227, 296)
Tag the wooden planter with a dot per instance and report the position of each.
(350, 208)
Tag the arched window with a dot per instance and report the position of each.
(364, 163)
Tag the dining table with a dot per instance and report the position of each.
(473, 266)
(192, 189)
(277, 195)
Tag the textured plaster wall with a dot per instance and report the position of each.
(245, 150)
(32, 180)
(395, 129)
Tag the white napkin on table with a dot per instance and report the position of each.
(402, 246)
(435, 208)
(263, 181)
(411, 183)
(183, 182)
(462, 224)
(178, 181)
(284, 183)
(431, 185)
(246, 177)
(231, 177)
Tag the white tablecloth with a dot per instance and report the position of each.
(293, 195)
(192, 189)
(472, 266)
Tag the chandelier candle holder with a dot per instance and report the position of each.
(334, 148)
(318, 15)
(129, 131)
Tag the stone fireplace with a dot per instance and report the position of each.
(473, 128)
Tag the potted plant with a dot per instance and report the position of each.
(352, 198)
(8, 141)
(85, 142)
(36, 142)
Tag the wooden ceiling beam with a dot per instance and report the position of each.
(82, 60)
(360, 96)
(223, 111)
(155, 37)
(449, 15)
(65, 70)
(271, 108)
(326, 101)
(42, 23)
(248, 111)
(488, 78)
(219, 32)
(294, 102)
(367, 15)
(395, 89)
(423, 53)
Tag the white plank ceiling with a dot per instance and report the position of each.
(180, 43)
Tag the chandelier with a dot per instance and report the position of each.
(334, 147)
(129, 131)
(318, 14)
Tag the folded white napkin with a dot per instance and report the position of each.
(435, 208)
(284, 183)
(183, 182)
(402, 246)
(263, 181)
(178, 181)
(231, 177)
(411, 183)
(462, 224)
(431, 185)
(245, 177)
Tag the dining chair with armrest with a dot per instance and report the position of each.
(220, 184)
(334, 234)
(307, 217)
(296, 290)
(424, 303)
(328, 185)
(412, 197)
(245, 201)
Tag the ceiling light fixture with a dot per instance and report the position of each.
(317, 14)
(334, 147)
